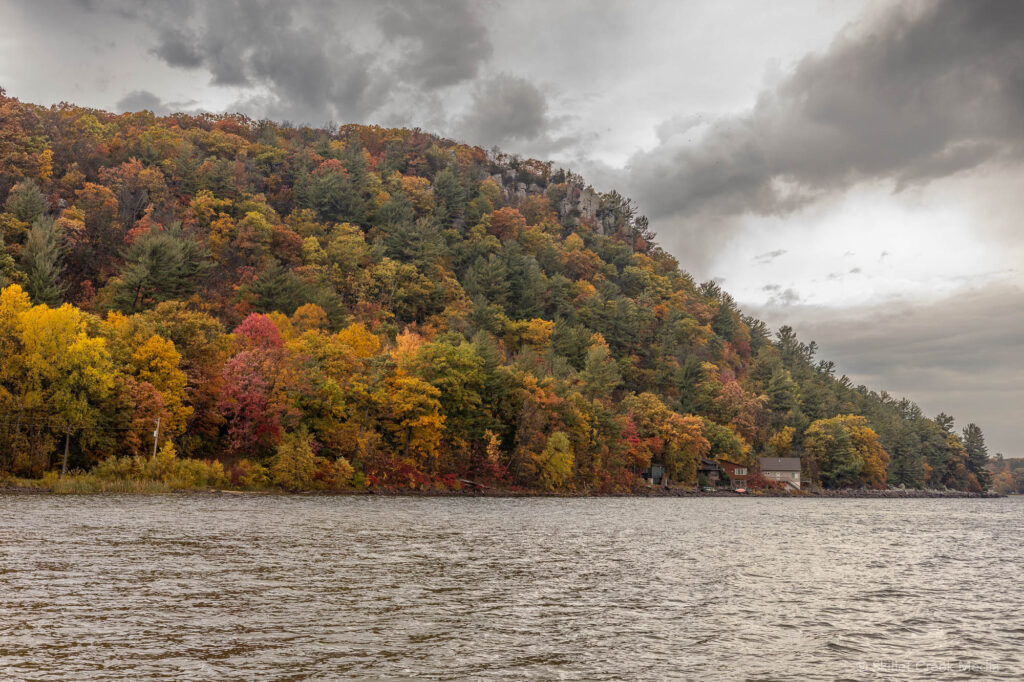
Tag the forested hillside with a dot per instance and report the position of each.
(378, 307)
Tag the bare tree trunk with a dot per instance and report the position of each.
(67, 444)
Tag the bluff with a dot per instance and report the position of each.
(385, 307)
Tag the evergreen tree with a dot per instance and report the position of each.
(25, 201)
(907, 465)
(160, 266)
(418, 242)
(487, 278)
(279, 289)
(355, 161)
(395, 212)
(782, 391)
(600, 375)
(6, 264)
(42, 261)
(450, 196)
(526, 283)
(333, 195)
(977, 455)
(944, 421)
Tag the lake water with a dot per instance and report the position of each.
(296, 587)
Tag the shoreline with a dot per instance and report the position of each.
(895, 494)
(683, 493)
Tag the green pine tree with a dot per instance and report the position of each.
(25, 201)
(977, 454)
(160, 266)
(42, 260)
(6, 265)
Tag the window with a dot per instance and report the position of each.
(740, 471)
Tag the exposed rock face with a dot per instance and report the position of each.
(589, 203)
(581, 201)
(520, 191)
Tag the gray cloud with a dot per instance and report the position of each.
(920, 93)
(139, 100)
(447, 43)
(961, 355)
(779, 297)
(319, 60)
(178, 49)
(506, 109)
(768, 257)
(298, 53)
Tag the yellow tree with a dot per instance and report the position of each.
(555, 463)
(781, 443)
(157, 362)
(321, 376)
(412, 416)
(57, 377)
(362, 342)
(846, 452)
(869, 445)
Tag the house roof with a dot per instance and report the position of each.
(780, 464)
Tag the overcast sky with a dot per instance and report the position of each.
(855, 169)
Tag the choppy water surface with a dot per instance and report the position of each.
(275, 587)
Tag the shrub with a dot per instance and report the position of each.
(161, 473)
(333, 474)
(294, 464)
(249, 474)
(556, 462)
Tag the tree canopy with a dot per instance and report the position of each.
(366, 304)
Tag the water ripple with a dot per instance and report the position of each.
(273, 587)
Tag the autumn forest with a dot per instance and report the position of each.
(217, 301)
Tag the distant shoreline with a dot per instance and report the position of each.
(509, 493)
(681, 493)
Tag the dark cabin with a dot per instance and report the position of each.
(709, 468)
(655, 474)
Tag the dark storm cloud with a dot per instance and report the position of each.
(919, 94)
(297, 52)
(961, 355)
(307, 58)
(448, 41)
(142, 100)
(506, 109)
(178, 49)
(139, 100)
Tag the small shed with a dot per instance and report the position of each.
(655, 474)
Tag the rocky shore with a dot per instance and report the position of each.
(646, 491)
(651, 491)
(866, 493)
